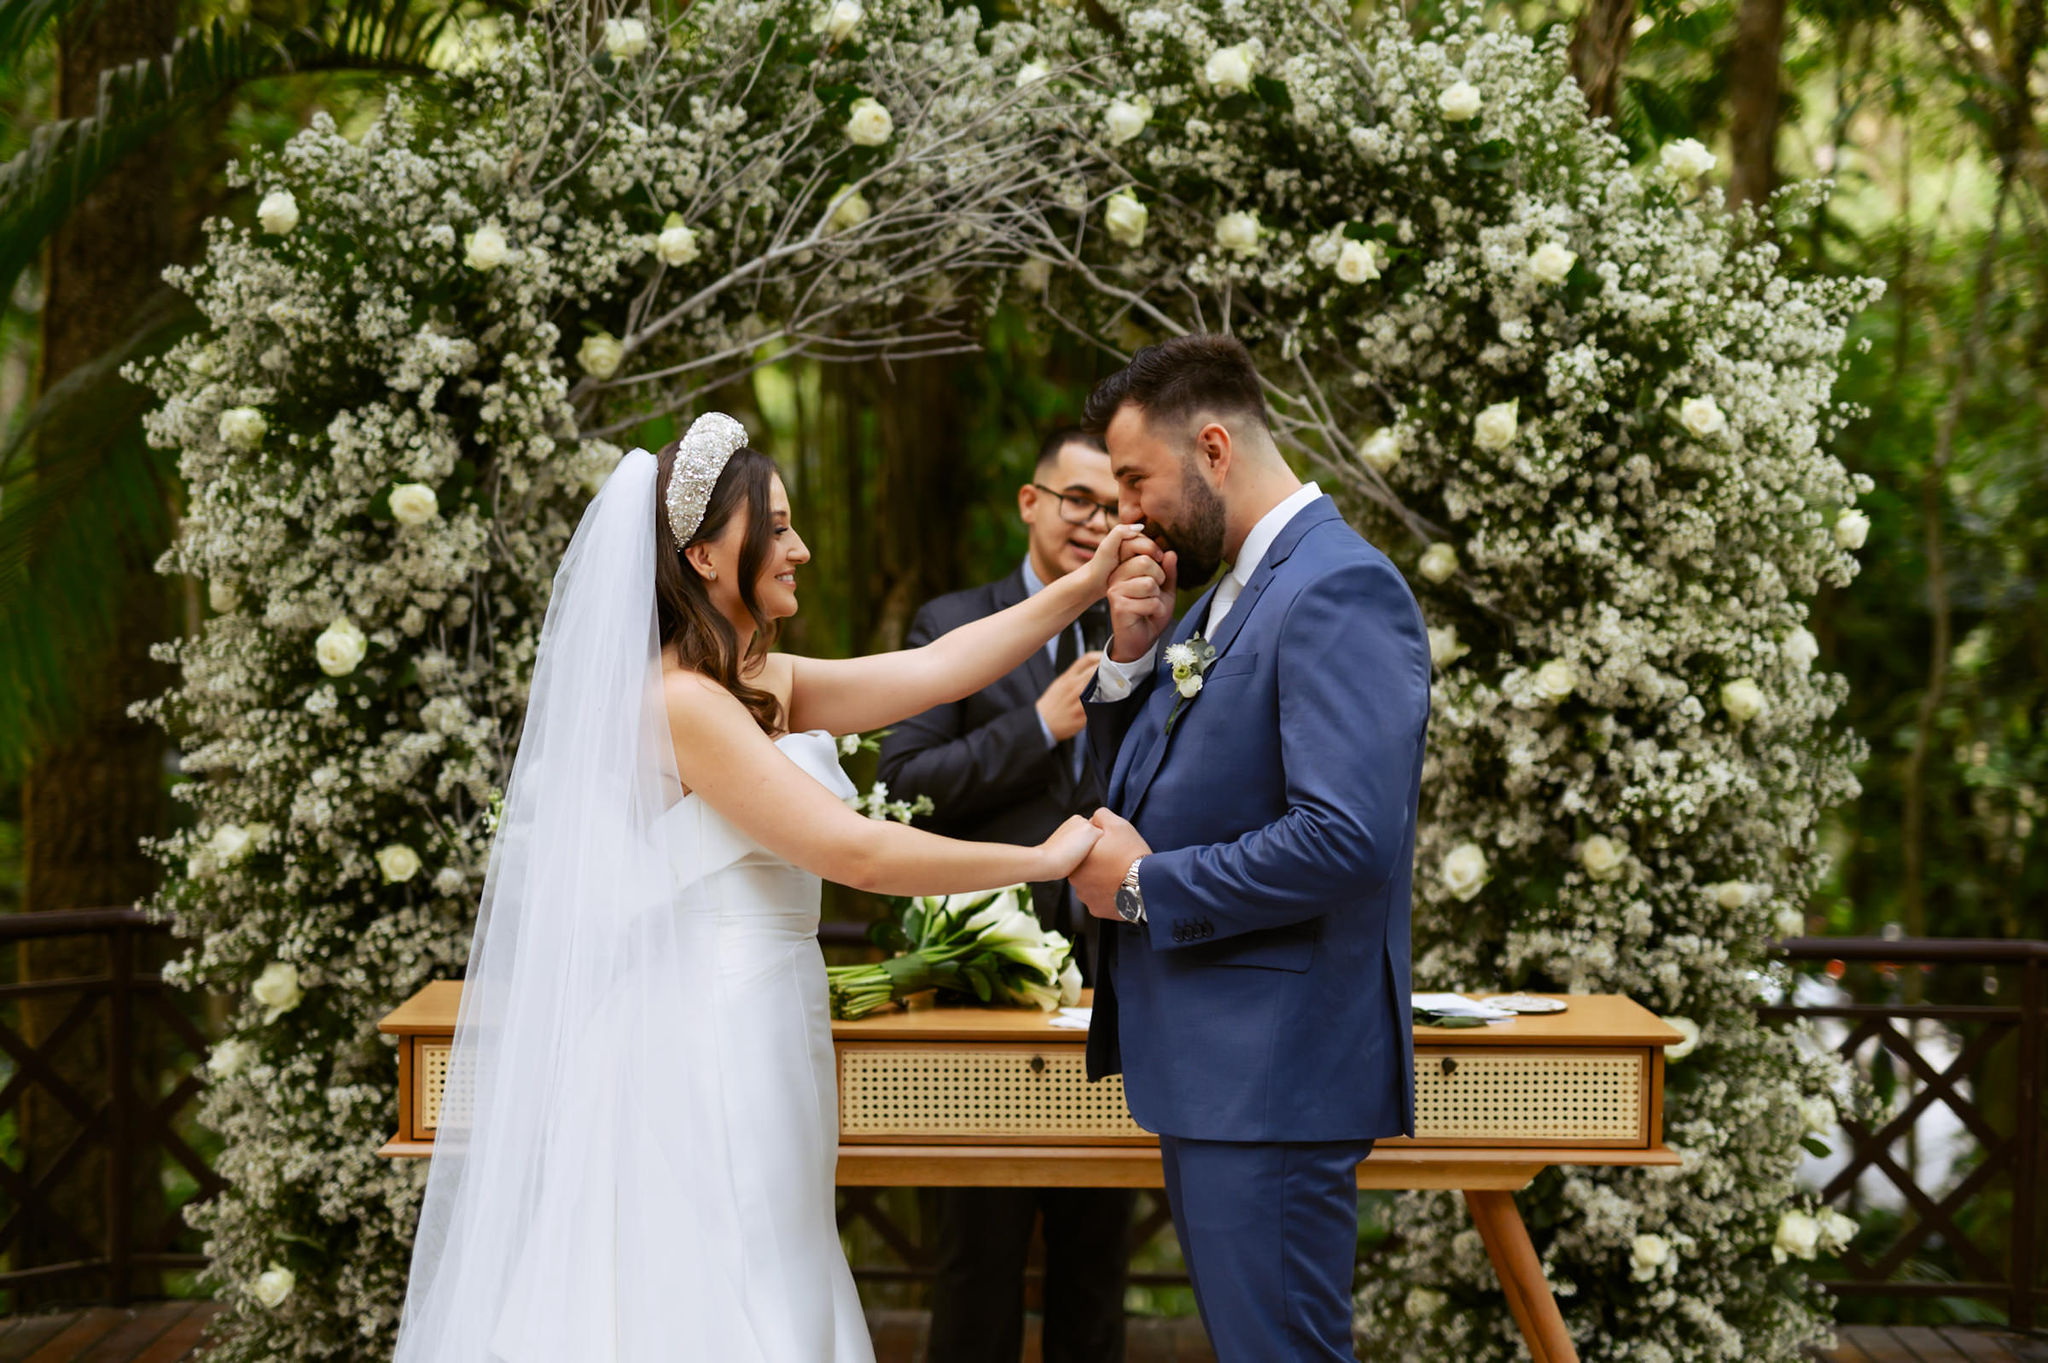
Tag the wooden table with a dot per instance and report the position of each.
(999, 1098)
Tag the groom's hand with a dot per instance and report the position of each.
(1140, 598)
(1102, 874)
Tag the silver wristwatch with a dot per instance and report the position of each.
(1130, 900)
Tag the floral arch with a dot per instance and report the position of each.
(1578, 401)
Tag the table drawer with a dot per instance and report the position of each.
(1524, 1095)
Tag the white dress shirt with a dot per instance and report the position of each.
(1115, 680)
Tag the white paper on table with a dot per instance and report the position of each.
(1074, 1018)
(1457, 1005)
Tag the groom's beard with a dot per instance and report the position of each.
(1196, 534)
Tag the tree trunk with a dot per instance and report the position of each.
(1599, 47)
(89, 799)
(1753, 100)
(921, 491)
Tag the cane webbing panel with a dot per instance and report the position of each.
(437, 1085)
(1523, 1095)
(977, 1091)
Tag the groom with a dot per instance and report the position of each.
(1257, 844)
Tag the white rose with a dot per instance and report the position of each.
(340, 647)
(1555, 680)
(1125, 119)
(1238, 233)
(1494, 427)
(273, 1285)
(398, 863)
(1463, 871)
(244, 428)
(1852, 527)
(1460, 103)
(1070, 985)
(600, 355)
(1836, 1230)
(222, 596)
(1687, 159)
(1423, 1302)
(625, 39)
(868, 124)
(849, 209)
(279, 212)
(840, 20)
(486, 248)
(1817, 1114)
(1189, 686)
(1125, 218)
(449, 881)
(1743, 699)
(1444, 648)
(230, 1058)
(1381, 450)
(1358, 262)
(414, 504)
(1689, 1031)
(1647, 1254)
(229, 844)
(1229, 70)
(1801, 648)
(1798, 1237)
(1601, 857)
(1030, 73)
(1702, 417)
(1789, 922)
(1550, 263)
(1730, 894)
(677, 244)
(277, 989)
(1438, 562)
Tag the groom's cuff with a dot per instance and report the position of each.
(1114, 681)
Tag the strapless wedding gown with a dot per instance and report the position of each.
(701, 1226)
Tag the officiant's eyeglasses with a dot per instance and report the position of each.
(1078, 508)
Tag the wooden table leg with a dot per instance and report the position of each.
(1521, 1276)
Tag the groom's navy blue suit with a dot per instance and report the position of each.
(1260, 1015)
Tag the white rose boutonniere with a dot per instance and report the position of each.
(1125, 218)
(279, 212)
(868, 124)
(1229, 69)
(277, 989)
(1460, 103)
(1188, 661)
(340, 647)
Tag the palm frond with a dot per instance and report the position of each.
(66, 159)
(22, 22)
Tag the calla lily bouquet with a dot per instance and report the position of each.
(986, 945)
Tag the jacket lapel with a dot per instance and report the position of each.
(1007, 593)
(1316, 512)
(1143, 740)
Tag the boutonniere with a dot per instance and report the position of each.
(1188, 661)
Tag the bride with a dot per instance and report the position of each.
(639, 1129)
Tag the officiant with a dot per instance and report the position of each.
(1009, 764)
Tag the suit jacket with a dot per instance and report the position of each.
(1266, 996)
(984, 761)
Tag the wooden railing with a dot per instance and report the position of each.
(1981, 1236)
(101, 1066)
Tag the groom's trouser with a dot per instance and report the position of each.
(1270, 1235)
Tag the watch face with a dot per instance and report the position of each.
(1127, 905)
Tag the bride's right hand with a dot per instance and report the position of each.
(1068, 847)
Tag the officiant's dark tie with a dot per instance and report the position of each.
(1087, 634)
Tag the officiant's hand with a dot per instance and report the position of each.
(1098, 878)
(1060, 707)
(1140, 597)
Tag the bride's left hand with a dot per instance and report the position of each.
(1108, 555)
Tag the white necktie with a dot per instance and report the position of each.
(1226, 597)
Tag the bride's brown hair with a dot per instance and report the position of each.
(704, 639)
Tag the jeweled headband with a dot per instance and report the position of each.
(711, 441)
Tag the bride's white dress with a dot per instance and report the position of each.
(702, 1227)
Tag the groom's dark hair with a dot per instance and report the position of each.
(1179, 378)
